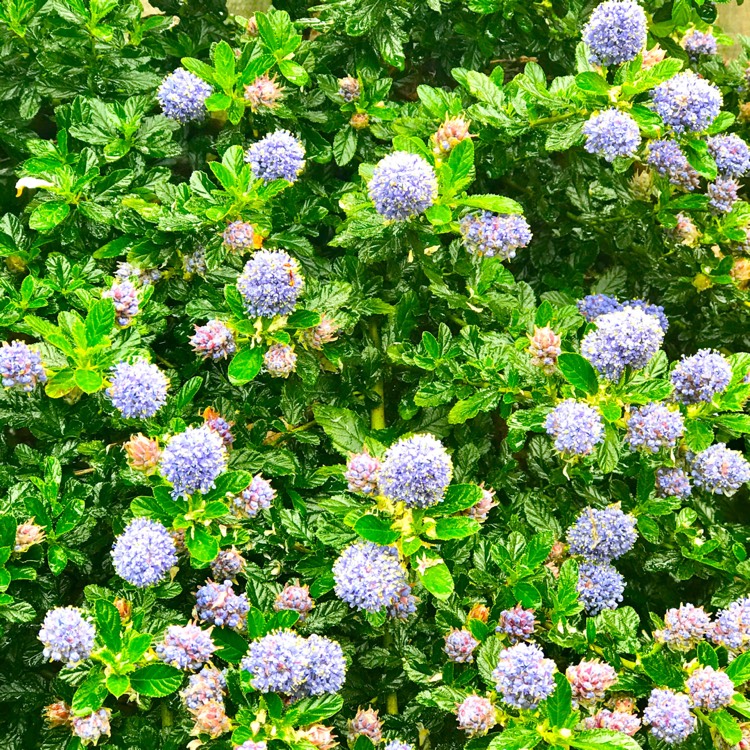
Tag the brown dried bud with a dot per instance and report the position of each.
(322, 737)
(481, 510)
(211, 719)
(360, 120)
(741, 272)
(57, 714)
(263, 92)
(252, 26)
(744, 114)
(625, 704)
(27, 535)
(652, 56)
(450, 134)
(143, 453)
(555, 558)
(124, 607)
(178, 536)
(479, 612)
(544, 347)
(349, 88)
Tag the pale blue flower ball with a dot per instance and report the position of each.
(67, 636)
(602, 535)
(653, 427)
(403, 186)
(687, 102)
(144, 553)
(138, 389)
(270, 284)
(523, 676)
(576, 427)
(21, 367)
(720, 470)
(183, 95)
(368, 577)
(278, 156)
(731, 154)
(612, 134)
(667, 159)
(669, 715)
(185, 647)
(701, 376)
(192, 460)
(599, 587)
(616, 32)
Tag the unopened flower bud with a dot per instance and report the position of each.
(360, 120)
(544, 347)
(321, 736)
(143, 453)
(252, 26)
(57, 714)
(652, 56)
(323, 333)
(450, 134)
(367, 723)
(124, 607)
(741, 272)
(211, 719)
(479, 612)
(642, 184)
(27, 535)
(349, 88)
(686, 233)
(263, 92)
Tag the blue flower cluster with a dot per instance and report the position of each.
(138, 389)
(701, 377)
(278, 156)
(523, 676)
(213, 340)
(723, 194)
(697, 43)
(270, 284)
(710, 688)
(517, 623)
(669, 715)
(687, 102)
(653, 427)
(732, 626)
(284, 662)
(182, 96)
(124, 297)
(684, 627)
(280, 361)
(369, 577)
(476, 716)
(214, 421)
(192, 460)
(227, 565)
(599, 587)
(720, 470)
(67, 636)
(185, 647)
(403, 185)
(667, 159)
(91, 727)
(494, 235)
(594, 305)
(296, 599)
(576, 427)
(239, 235)
(460, 645)
(589, 680)
(257, 496)
(404, 605)
(626, 338)
(217, 604)
(361, 473)
(672, 482)
(144, 553)
(731, 154)
(21, 367)
(612, 134)
(416, 471)
(616, 32)
(205, 687)
(602, 535)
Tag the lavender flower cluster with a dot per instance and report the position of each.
(192, 460)
(494, 235)
(270, 284)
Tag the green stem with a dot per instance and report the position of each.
(166, 716)
(391, 700)
(377, 414)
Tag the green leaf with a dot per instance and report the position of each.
(739, 423)
(559, 704)
(438, 580)
(224, 65)
(458, 497)
(579, 372)
(603, 739)
(375, 529)
(728, 726)
(156, 680)
(698, 435)
(91, 694)
(487, 658)
(346, 429)
(201, 545)
(592, 83)
(108, 624)
(232, 647)
(494, 203)
(293, 72)
(117, 684)
(456, 528)
(438, 215)
(311, 710)
(484, 400)
(661, 671)
(738, 670)
(461, 165)
(99, 321)
(245, 365)
(515, 738)
(48, 215)
(303, 319)
(89, 381)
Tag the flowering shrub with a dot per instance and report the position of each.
(374, 374)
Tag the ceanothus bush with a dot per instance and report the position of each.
(374, 372)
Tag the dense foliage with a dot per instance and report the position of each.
(373, 374)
